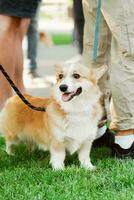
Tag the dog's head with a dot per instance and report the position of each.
(75, 85)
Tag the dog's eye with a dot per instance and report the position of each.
(60, 76)
(77, 76)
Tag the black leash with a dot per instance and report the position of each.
(19, 93)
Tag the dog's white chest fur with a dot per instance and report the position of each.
(79, 128)
(76, 129)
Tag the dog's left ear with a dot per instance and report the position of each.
(99, 72)
(92, 76)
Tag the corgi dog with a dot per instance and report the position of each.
(69, 123)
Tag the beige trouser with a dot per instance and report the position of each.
(117, 52)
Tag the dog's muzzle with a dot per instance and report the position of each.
(67, 96)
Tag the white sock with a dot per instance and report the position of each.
(125, 141)
(101, 131)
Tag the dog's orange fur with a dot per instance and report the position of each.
(19, 117)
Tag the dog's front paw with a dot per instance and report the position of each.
(88, 165)
(57, 165)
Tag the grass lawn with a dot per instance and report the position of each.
(28, 176)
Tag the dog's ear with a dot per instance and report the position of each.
(99, 72)
(92, 76)
(58, 69)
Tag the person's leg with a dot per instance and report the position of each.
(78, 23)
(119, 17)
(24, 23)
(8, 32)
(89, 8)
(32, 38)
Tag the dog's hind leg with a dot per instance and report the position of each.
(11, 140)
(57, 151)
(9, 148)
(84, 155)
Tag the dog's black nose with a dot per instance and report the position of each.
(63, 88)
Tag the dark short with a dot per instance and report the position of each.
(19, 8)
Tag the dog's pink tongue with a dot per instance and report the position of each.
(66, 96)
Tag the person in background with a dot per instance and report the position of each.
(14, 22)
(78, 24)
(32, 39)
(117, 20)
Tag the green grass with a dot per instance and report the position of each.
(28, 176)
(61, 38)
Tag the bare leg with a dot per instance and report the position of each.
(19, 54)
(8, 31)
(84, 155)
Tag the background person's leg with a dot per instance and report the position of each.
(32, 38)
(78, 23)
(24, 24)
(8, 32)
